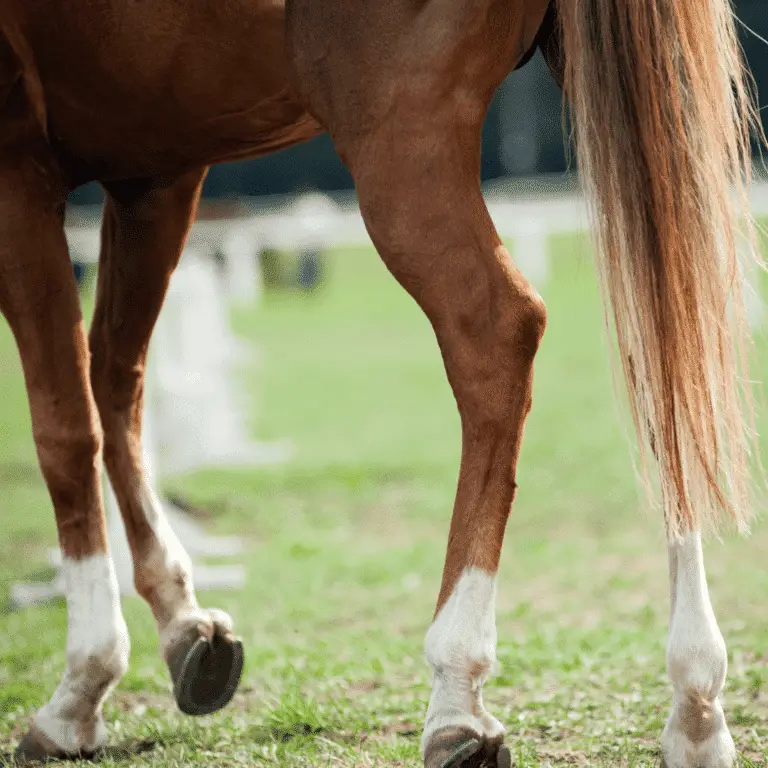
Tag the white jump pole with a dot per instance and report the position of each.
(200, 418)
(242, 267)
(531, 250)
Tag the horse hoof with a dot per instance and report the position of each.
(36, 747)
(463, 748)
(206, 673)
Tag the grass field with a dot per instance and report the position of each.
(345, 550)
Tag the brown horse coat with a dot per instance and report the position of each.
(120, 98)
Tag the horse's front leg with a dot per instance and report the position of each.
(696, 735)
(38, 297)
(144, 229)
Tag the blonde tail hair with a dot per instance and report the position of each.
(662, 108)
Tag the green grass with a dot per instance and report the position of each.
(345, 550)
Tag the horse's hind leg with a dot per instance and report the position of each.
(696, 735)
(403, 91)
(38, 297)
(428, 220)
(435, 235)
(144, 229)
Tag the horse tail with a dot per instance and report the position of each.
(663, 108)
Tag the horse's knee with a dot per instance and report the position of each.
(69, 455)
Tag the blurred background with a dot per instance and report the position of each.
(305, 443)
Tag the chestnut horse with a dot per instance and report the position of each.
(144, 96)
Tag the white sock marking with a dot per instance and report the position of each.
(167, 568)
(696, 733)
(461, 651)
(97, 656)
(165, 577)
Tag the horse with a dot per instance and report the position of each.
(143, 97)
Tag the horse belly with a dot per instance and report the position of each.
(175, 85)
